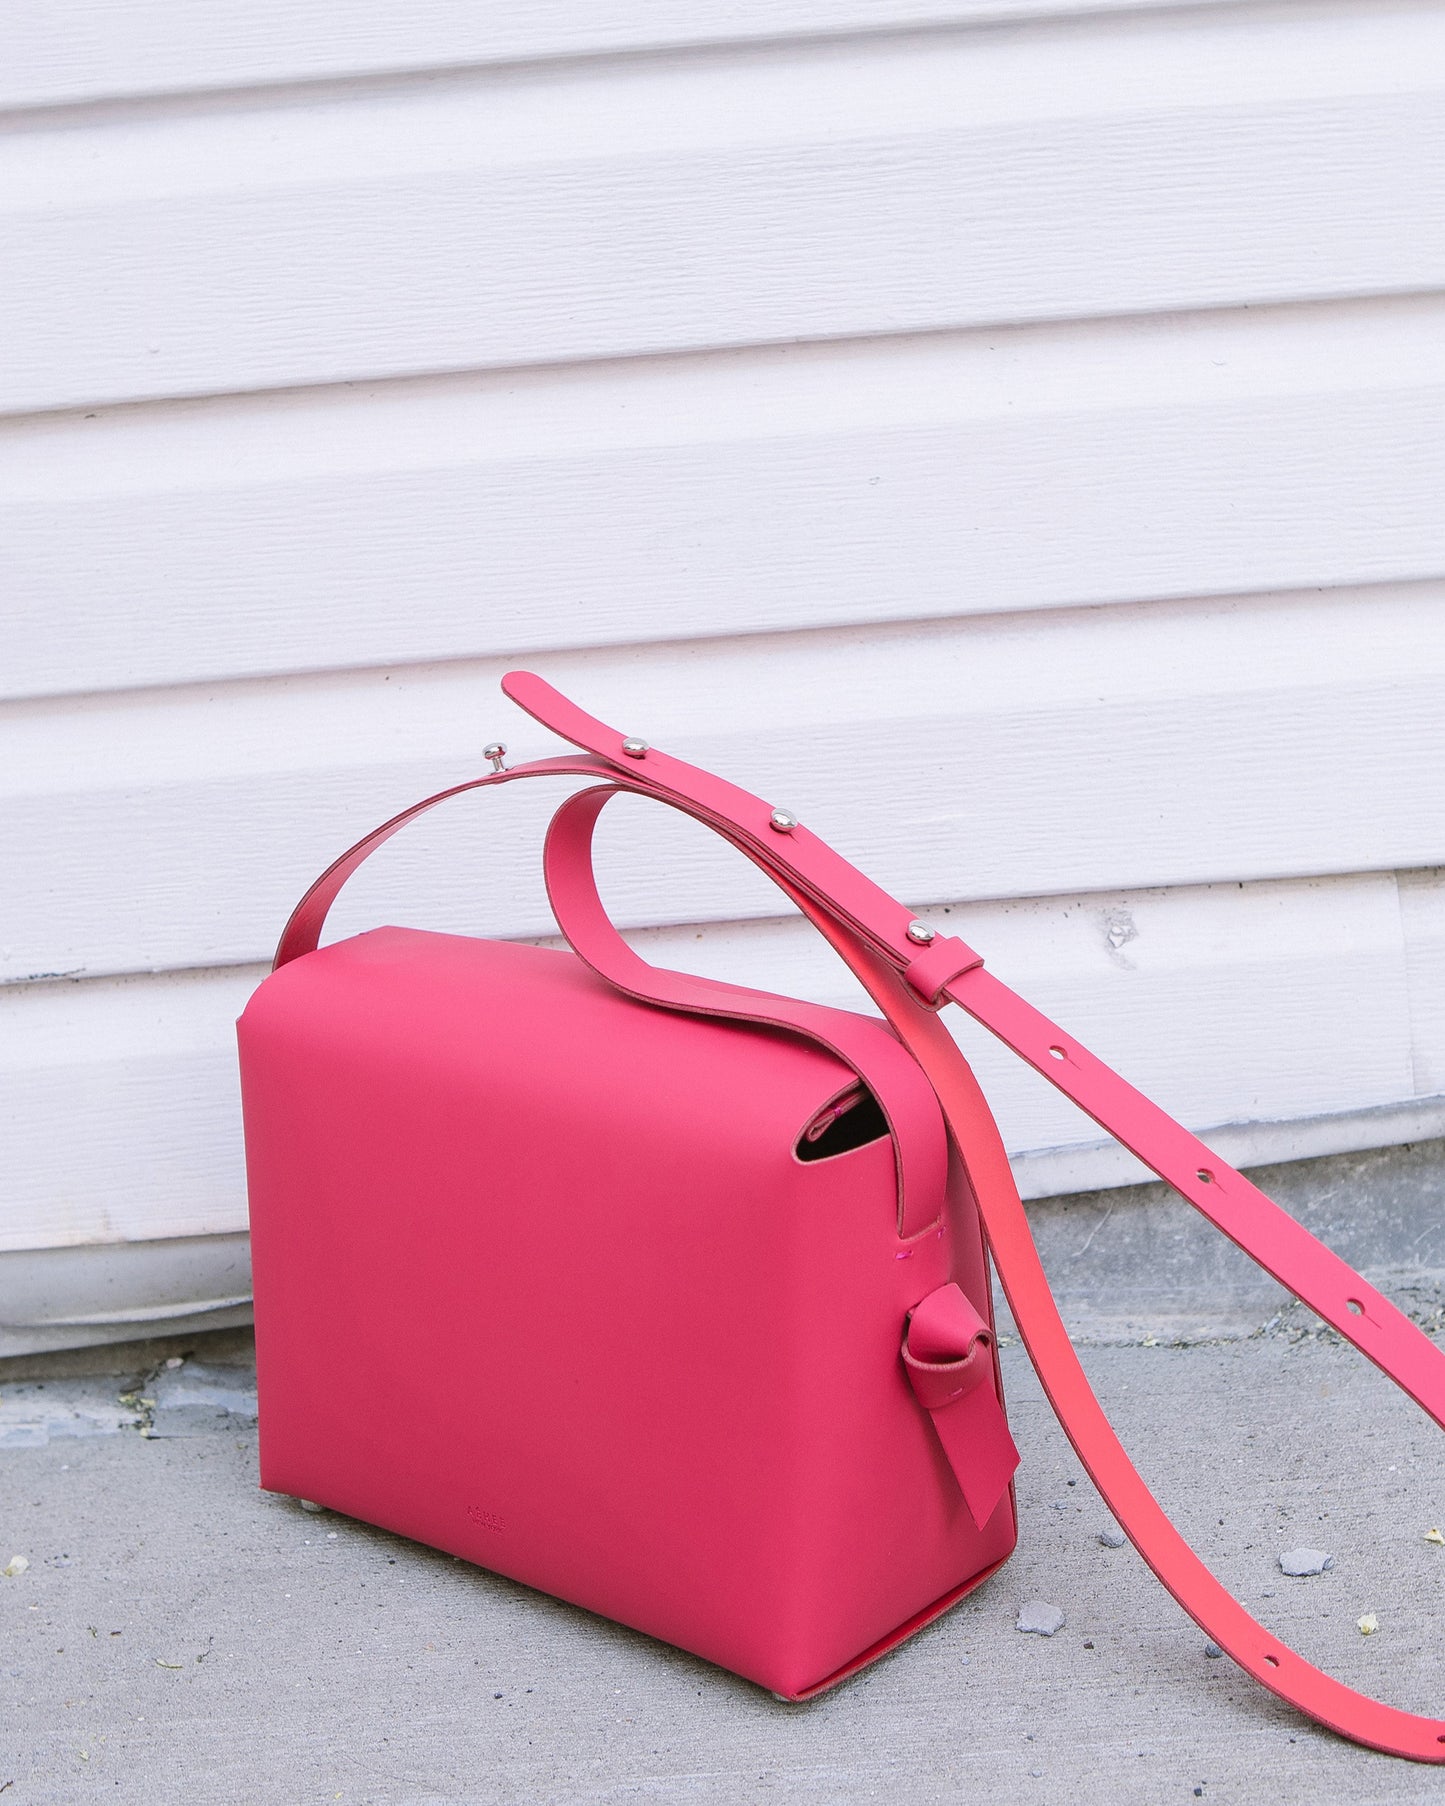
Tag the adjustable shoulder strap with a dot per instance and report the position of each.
(911, 972)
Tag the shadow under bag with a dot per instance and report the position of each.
(670, 1297)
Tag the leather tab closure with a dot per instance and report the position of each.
(948, 1354)
(940, 962)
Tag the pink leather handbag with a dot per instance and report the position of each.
(696, 1277)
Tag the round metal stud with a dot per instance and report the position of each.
(496, 751)
(921, 933)
(783, 820)
(634, 748)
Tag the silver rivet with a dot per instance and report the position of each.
(634, 748)
(783, 820)
(496, 751)
(921, 932)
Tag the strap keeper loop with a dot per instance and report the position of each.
(938, 965)
(948, 1354)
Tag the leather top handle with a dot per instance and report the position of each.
(911, 972)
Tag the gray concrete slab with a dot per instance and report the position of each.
(179, 1636)
(1137, 1260)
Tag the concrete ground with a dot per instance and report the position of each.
(179, 1636)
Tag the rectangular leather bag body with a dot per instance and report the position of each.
(542, 1280)
(671, 1298)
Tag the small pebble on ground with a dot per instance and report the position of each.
(1038, 1616)
(1112, 1539)
(1297, 1562)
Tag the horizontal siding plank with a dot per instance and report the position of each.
(1223, 159)
(82, 1293)
(119, 1112)
(1216, 1000)
(997, 756)
(815, 486)
(87, 50)
(1422, 907)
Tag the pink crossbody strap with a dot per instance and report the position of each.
(910, 978)
(909, 981)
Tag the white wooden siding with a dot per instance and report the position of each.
(1008, 433)
(1078, 750)
(79, 50)
(636, 208)
(882, 480)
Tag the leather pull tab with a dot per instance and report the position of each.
(948, 1352)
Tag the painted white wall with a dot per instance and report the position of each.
(1009, 433)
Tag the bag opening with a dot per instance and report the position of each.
(849, 1122)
